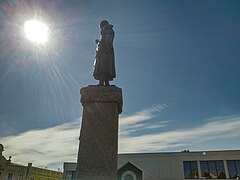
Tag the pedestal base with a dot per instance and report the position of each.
(97, 156)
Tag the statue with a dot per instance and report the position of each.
(104, 65)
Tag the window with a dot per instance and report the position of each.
(204, 169)
(212, 170)
(73, 175)
(10, 176)
(190, 170)
(20, 177)
(234, 169)
(69, 175)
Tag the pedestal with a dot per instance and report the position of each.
(97, 155)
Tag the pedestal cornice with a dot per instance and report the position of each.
(102, 94)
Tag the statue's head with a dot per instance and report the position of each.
(103, 23)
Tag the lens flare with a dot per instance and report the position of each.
(36, 31)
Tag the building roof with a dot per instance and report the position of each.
(183, 153)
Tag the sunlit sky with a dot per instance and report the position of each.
(178, 63)
(36, 31)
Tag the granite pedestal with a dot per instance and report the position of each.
(97, 155)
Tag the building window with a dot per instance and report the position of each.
(190, 169)
(234, 169)
(20, 177)
(212, 170)
(129, 175)
(73, 175)
(68, 175)
(10, 176)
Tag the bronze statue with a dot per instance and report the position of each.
(104, 65)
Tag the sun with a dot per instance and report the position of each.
(36, 31)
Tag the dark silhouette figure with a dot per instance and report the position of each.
(104, 65)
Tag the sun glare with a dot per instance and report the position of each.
(36, 31)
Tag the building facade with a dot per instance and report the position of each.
(173, 166)
(12, 171)
(35, 173)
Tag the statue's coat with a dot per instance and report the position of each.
(104, 65)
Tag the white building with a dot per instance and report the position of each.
(173, 166)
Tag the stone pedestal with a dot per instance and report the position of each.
(98, 147)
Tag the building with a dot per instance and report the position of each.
(12, 171)
(35, 173)
(9, 170)
(173, 166)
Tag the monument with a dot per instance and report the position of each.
(102, 104)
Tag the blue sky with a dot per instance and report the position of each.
(177, 63)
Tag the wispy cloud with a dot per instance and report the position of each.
(55, 145)
(142, 116)
(44, 146)
(218, 129)
(138, 120)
